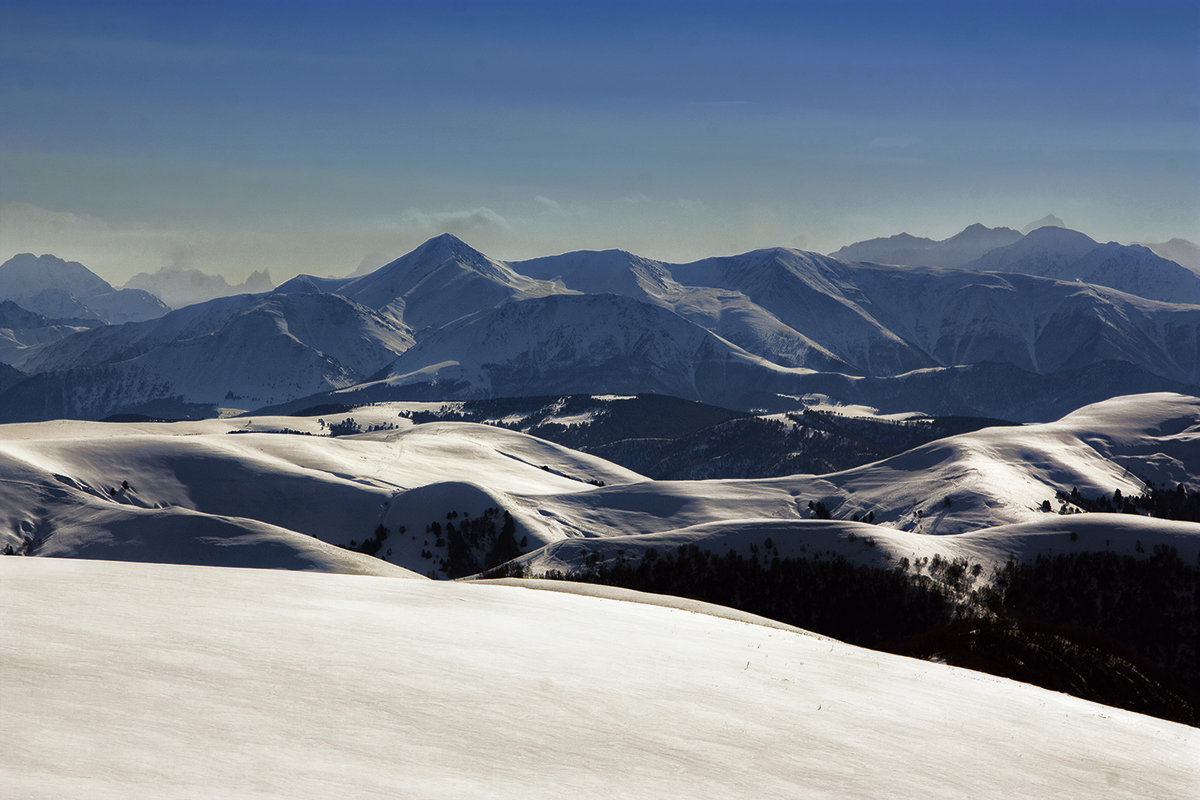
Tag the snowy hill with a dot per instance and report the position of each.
(203, 682)
(962, 248)
(240, 352)
(261, 492)
(57, 477)
(61, 289)
(1072, 256)
(993, 476)
(183, 287)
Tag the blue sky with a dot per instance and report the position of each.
(316, 136)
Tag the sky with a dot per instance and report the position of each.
(325, 137)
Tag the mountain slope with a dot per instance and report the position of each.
(568, 344)
(244, 351)
(66, 289)
(203, 682)
(23, 333)
(1181, 251)
(1072, 256)
(440, 281)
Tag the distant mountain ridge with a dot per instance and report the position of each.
(1181, 251)
(53, 287)
(245, 350)
(1048, 250)
(184, 287)
(904, 249)
(1072, 256)
(748, 331)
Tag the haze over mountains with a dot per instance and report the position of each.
(956, 327)
(179, 287)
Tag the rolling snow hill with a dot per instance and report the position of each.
(202, 682)
(62, 484)
(269, 492)
(668, 438)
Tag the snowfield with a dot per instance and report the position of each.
(143, 680)
(205, 492)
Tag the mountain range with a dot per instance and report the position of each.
(60, 289)
(179, 287)
(1027, 330)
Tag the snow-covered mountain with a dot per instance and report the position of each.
(61, 289)
(1072, 256)
(728, 313)
(182, 287)
(873, 320)
(748, 331)
(23, 333)
(960, 249)
(440, 281)
(210, 682)
(240, 352)
(564, 344)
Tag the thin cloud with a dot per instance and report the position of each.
(474, 220)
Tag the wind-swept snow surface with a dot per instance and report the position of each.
(136, 680)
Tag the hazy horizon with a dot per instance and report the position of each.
(316, 137)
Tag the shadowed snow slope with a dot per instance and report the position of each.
(993, 476)
(566, 344)
(126, 680)
(242, 352)
(63, 492)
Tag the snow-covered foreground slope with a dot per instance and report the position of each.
(133, 680)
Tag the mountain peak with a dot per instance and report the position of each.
(1056, 235)
(1047, 221)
